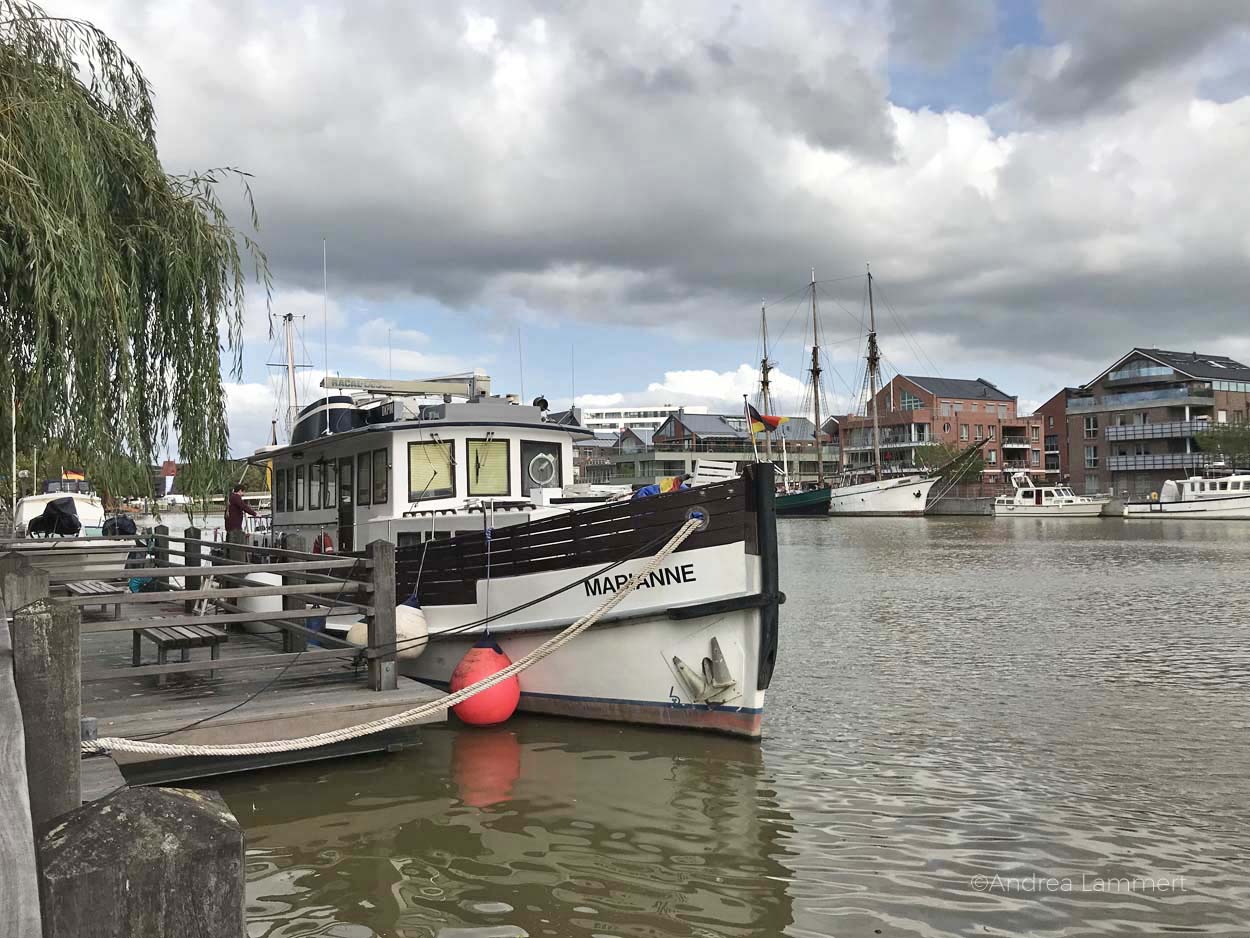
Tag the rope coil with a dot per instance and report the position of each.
(116, 744)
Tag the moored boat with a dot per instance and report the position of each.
(899, 495)
(1029, 500)
(693, 647)
(1216, 498)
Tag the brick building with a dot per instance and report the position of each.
(915, 411)
(1132, 427)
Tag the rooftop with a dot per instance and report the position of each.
(1200, 364)
(964, 388)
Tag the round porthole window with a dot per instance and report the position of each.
(543, 471)
(946, 428)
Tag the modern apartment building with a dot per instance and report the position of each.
(644, 456)
(916, 411)
(613, 420)
(1132, 427)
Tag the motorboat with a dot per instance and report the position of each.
(1214, 498)
(1030, 499)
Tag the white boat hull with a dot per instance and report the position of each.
(1208, 509)
(1079, 510)
(623, 668)
(902, 496)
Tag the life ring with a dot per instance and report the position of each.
(323, 544)
(543, 470)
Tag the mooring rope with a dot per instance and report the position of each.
(115, 744)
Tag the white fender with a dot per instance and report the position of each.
(410, 628)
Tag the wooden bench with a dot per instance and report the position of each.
(182, 638)
(99, 588)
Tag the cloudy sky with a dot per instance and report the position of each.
(1038, 186)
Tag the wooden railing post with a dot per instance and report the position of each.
(19, 886)
(383, 673)
(194, 548)
(290, 640)
(20, 583)
(235, 550)
(47, 669)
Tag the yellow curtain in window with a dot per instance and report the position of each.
(429, 471)
(488, 467)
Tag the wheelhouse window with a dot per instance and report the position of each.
(299, 488)
(345, 481)
(279, 490)
(488, 467)
(430, 472)
(329, 484)
(540, 466)
(380, 477)
(314, 486)
(364, 478)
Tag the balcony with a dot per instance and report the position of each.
(1173, 397)
(886, 444)
(1164, 430)
(1157, 461)
(1148, 374)
(1016, 442)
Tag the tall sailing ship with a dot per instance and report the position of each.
(880, 494)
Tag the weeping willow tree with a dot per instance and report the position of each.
(121, 285)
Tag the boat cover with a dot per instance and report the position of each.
(59, 517)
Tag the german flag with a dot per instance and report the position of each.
(761, 423)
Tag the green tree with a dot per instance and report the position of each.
(1231, 441)
(120, 285)
(943, 456)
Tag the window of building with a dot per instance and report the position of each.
(1221, 416)
(299, 488)
(980, 431)
(946, 428)
(909, 401)
(1091, 456)
(314, 485)
(1002, 410)
(959, 406)
(540, 466)
(381, 476)
(488, 467)
(1050, 422)
(1091, 427)
(944, 409)
(963, 432)
(1035, 433)
(430, 473)
(991, 457)
(279, 490)
(364, 478)
(993, 431)
(1035, 457)
(1141, 449)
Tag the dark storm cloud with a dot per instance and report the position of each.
(931, 35)
(1109, 45)
(672, 163)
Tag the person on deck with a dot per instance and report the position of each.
(236, 509)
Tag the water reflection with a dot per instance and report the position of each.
(544, 827)
(956, 698)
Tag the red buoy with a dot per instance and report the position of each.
(495, 704)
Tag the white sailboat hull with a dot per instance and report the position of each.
(902, 496)
(622, 669)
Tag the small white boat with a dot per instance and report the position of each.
(1224, 498)
(1030, 500)
(96, 556)
(902, 495)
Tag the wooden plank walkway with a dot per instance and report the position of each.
(320, 692)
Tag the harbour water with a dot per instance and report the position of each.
(977, 727)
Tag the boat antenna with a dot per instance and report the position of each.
(520, 355)
(572, 376)
(325, 324)
(288, 326)
(874, 364)
(820, 456)
(765, 397)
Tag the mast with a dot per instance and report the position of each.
(765, 399)
(874, 363)
(820, 456)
